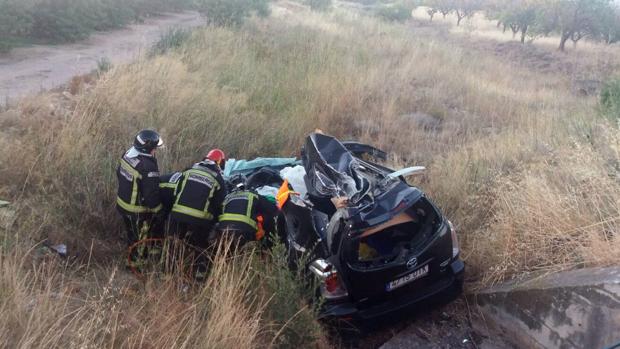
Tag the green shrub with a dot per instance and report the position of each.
(103, 65)
(232, 12)
(59, 20)
(172, 39)
(15, 19)
(394, 13)
(15, 23)
(610, 99)
(319, 5)
(70, 20)
(290, 308)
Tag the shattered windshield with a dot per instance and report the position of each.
(331, 168)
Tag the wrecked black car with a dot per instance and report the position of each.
(388, 248)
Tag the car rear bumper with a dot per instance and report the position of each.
(444, 289)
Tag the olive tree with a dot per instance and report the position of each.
(442, 6)
(466, 9)
(572, 19)
(610, 25)
(519, 16)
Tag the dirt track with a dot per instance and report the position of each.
(29, 70)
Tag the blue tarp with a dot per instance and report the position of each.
(245, 167)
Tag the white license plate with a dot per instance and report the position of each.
(407, 278)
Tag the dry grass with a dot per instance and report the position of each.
(526, 170)
(56, 305)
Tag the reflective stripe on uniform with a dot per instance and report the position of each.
(247, 218)
(250, 203)
(233, 217)
(168, 185)
(137, 209)
(132, 206)
(190, 211)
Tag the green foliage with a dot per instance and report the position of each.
(610, 99)
(289, 307)
(14, 22)
(103, 65)
(70, 20)
(232, 12)
(171, 39)
(319, 5)
(400, 12)
(572, 19)
(519, 15)
(442, 6)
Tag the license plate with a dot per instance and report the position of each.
(407, 278)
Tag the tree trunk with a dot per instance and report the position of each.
(432, 15)
(563, 39)
(459, 18)
(499, 23)
(515, 30)
(523, 32)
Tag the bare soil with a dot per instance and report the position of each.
(30, 70)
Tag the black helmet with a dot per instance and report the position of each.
(147, 140)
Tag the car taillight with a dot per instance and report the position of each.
(332, 287)
(455, 241)
(332, 284)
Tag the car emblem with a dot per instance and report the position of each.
(412, 263)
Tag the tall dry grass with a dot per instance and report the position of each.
(526, 170)
(54, 304)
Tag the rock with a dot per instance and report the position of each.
(7, 213)
(574, 309)
(68, 96)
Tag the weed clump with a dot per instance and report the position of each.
(172, 39)
(231, 13)
(610, 99)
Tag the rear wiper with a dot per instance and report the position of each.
(408, 171)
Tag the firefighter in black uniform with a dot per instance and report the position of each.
(167, 190)
(138, 199)
(199, 195)
(246, 215)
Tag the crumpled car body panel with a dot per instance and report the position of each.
(407, 260)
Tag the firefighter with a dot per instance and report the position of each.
(199, 195)
(246, 215)
(138, 199)
(167, 191)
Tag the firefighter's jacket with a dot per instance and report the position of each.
(199, 195)
(167, 189)
(247, 212)
(138, 183)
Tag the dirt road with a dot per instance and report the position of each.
(29, 70)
